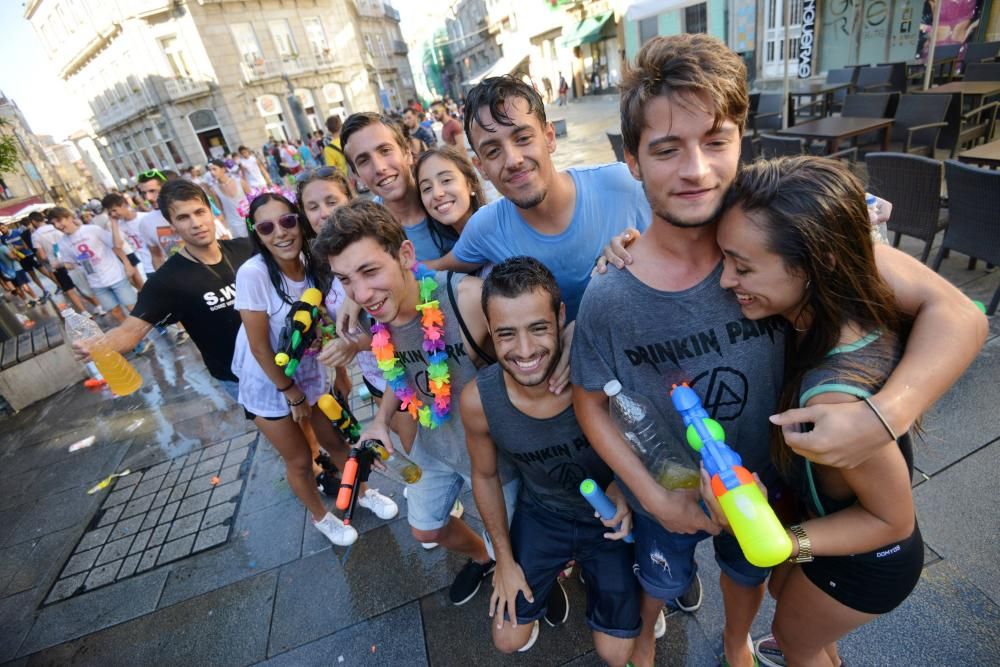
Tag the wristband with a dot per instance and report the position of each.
(292, 404)
(291, 383)
(885, 423)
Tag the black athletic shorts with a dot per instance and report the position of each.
(875, 582)
(29, 263)
(251, 416)
(133, 259)
(63, 280)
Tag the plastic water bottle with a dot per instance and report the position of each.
(121, 376)
(401, 467)
(880, 231)
(668, 463)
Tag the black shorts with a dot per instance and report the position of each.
(543, 542)
(63, 280)
(21, 278)
(133, 259)
(251, 416)
(29, 263)
(875, 582)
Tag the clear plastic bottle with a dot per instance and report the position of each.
(880, 231)
(121, 376)
(670, 464)
(396, 462)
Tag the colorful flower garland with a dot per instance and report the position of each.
(439, 381)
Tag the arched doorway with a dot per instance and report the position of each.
(206, 127)
(269, 107)
(336, 100)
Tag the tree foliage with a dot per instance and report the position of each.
(8, 149)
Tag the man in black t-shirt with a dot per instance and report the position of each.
(195, 286)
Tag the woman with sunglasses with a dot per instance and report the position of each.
(319, 192)
(267, 285)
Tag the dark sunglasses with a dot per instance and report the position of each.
(151, 174)
(266, 227)
(322, 172)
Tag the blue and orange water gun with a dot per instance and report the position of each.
(761, 536)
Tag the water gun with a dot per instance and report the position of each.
(299, 330)
(761, 536)
(337, 411)
(601, 503)
(356, 472)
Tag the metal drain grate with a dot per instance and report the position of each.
(159, 515)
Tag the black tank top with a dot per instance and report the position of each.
(552, 454)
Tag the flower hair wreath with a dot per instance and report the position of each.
(243, 208)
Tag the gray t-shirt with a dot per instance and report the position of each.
(648, 340)
(446, 443)
(552, 455)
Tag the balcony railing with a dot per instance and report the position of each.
(266, 69)
(180, 88)
(399, 47)
(123, 110)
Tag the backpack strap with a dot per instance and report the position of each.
(488, 358)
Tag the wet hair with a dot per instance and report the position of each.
(112, 200)
(177, 190)
(305, 232)
(493, 93)
(813, 215)
(359, 121)
(357, 220)
(461, 162)
(681, 67)
(519, 275)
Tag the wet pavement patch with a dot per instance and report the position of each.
(159, 515)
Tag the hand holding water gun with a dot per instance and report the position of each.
(757, 529)
(299, 330)
(605, 508)
(359, 466)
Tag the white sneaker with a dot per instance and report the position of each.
(532, 639)
(100, 311)
(457, 510)
(382, 506)
(660, 628)
(336, 531)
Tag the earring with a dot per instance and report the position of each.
(809, 283)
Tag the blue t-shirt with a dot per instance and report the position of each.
(422, 239)
(17, 239)
(608, 201)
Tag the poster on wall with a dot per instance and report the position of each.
(956, 25)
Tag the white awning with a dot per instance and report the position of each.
(507, 64)
(643, 9)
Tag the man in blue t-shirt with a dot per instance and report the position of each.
(378, 153)
(563, 219)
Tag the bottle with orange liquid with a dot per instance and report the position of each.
(120, 375)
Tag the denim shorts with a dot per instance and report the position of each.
(543, 542)
(665, 561)
(120, 294)
(429, 501)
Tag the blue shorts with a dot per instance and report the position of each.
(120, 294)
(430, 500)
(543, 542)
(665, 561)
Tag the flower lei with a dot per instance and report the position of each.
(432, 322)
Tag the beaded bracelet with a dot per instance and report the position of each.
(292, 404)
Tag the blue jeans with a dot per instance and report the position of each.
(119, 294)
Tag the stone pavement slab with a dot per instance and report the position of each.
(390, 639)
(225, 627)
(957, 510)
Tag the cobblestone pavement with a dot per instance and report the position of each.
(247, 580)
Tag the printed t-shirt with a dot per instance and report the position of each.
(93, 250)
(155, 230)
(132, 231)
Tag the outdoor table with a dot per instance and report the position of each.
(987, 155)
(834, 129)
(974, 89)
(810, 89)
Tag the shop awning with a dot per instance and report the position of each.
(588, 30)
(643, 9)
(508, 64)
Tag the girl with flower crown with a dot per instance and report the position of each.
(267, 285)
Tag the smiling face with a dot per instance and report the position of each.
(758, 277)
(382, 165)
(525, 331)
(319, 198)
(65, 225)
(444, 191)
(684, 164)
(516, 158)
(283, 244)
(375, 280)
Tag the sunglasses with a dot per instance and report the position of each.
(151, 174)
(266, 227)
(322, 172)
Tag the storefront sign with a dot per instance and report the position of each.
(808, 39)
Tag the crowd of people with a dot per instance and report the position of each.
(760, 287)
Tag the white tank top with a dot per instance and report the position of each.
(235, 222)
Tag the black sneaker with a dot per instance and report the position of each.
(468, 581)
(691, 600)
(328, 484)
(557, 607)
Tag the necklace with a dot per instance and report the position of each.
(438, 378)
(225, 259)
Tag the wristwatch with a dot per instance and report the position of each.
(805, 554)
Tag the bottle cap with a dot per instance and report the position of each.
(613, 388)
(870, 200)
